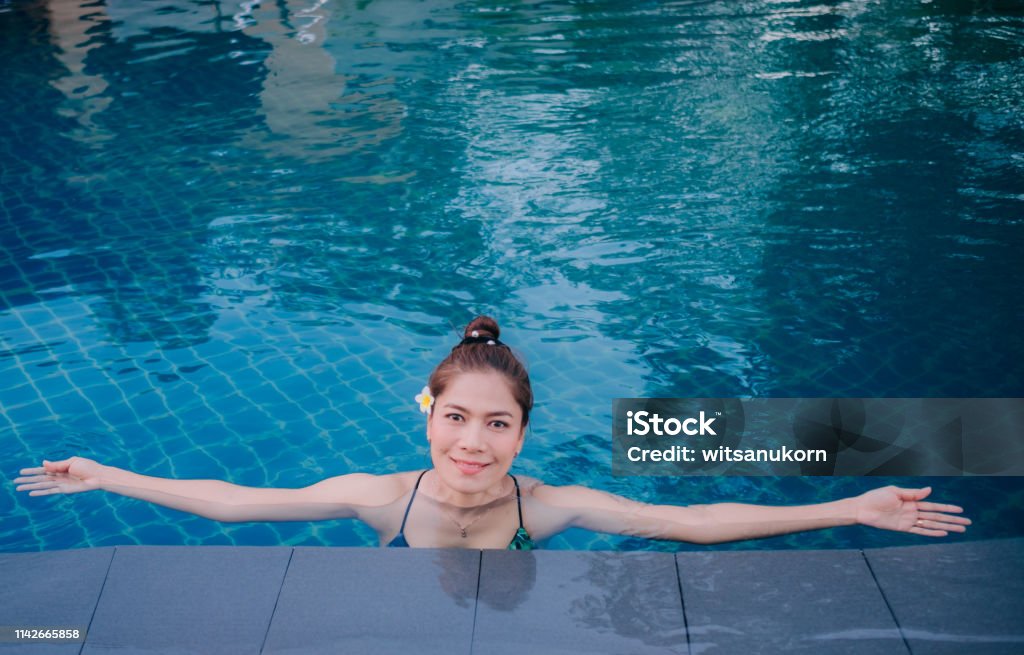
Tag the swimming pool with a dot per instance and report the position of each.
(233, 235)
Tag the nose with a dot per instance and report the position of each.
(472, 437)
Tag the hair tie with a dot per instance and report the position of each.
(476, 338)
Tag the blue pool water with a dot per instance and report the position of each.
(234, 236)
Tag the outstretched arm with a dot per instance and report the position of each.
(889, 508)
(333, 498)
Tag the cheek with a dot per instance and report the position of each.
(439, 436)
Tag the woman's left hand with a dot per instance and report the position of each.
(894, 508)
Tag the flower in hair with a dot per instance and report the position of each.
(425, 400)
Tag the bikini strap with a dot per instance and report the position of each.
(519, 501)
(401, 530)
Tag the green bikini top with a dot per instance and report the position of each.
(521, 540)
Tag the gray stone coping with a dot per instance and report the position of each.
(937, 598)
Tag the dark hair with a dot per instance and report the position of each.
(474, 354)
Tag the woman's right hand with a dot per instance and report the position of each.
(68, 476)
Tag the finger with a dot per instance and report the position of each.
(939, 525)
(33, 478)
(44, 492)
(32, 471)
(945, 518)
(36, 485)
(928, 533)
(913, 494)
(940, 507)
(41, 478)
(942, 525)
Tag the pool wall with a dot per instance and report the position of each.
(942, 598)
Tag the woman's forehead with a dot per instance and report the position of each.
(481, 389)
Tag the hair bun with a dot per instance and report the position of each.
(484, 326)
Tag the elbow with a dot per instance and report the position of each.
(699, 537)
(223, 514)
(702, 529)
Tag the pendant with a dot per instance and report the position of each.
(463, 533)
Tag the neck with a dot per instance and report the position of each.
(444, 494)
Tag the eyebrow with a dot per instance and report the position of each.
(463, 409)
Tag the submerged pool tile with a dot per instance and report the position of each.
(578, 602)
(72, 404)
(21, 394)
(799, 601)
(958, 598)
(372, 601)
(28, 414)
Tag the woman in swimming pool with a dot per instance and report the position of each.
(478, 403)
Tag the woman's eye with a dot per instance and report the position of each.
(455, 417)
(500, 424)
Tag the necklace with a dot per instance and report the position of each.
(462, 528)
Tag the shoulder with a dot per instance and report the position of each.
(578, 498)
(537, 492)
(536, 489)
(527, 484)
(549, 509)
(548, 494)
(593, 509)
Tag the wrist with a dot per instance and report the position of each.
(848, 511)
(110, 476)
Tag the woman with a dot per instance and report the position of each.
(478, 403)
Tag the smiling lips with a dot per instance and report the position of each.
(469, 468)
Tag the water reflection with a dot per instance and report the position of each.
(503, 581)
(684, 199)
(722, 186)
(312, 111)
(70, 27)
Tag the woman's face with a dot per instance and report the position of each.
(475, 430)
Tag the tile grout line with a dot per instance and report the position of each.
(99, 597)
(276, 600)
(886, 600)
(476, 603)
(682, 603)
